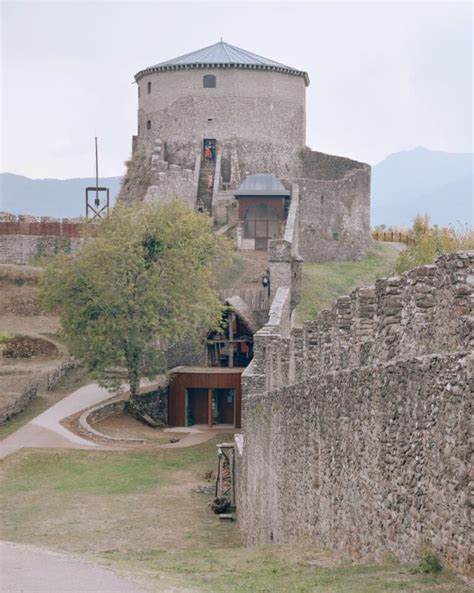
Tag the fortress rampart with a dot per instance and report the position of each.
(357, 425)
(24, 237)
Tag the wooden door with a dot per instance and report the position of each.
(225, 405)
(197, 412)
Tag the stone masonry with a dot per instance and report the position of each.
(357, 429)
(256, 114)
(24, 237)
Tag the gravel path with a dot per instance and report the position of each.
(27, 569)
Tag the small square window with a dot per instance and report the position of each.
(209, 81)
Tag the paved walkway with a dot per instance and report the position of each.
(27, 569)
(45, 431)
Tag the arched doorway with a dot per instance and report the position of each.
(261, 223)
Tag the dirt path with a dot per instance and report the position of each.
(46, 431)
(27, 569)
(398, 246)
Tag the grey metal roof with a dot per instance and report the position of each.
(222, 55)
(261, 184)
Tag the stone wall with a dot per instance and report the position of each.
(249, 104)
(169, 182)
(356, 426)
(335, 208)
(153, 401)
(25, 237)
(369, 461)
(17, 402)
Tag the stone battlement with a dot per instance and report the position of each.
(356, 425)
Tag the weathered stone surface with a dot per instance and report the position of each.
(357, 426)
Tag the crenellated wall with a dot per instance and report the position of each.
(357, 425)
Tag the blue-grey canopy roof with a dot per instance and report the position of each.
(222, 55)
(262, 184)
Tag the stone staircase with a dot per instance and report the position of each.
(204, 193)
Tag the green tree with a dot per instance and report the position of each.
(147, 280)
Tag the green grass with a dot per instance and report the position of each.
(278, 569)
(324, 282)
(99, 473)
(136, 512)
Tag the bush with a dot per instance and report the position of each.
(429, 563)
(431, 242)
(5, 337)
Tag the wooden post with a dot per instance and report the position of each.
(232, 481)
(231, 337)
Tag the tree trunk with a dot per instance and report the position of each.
(134, 381)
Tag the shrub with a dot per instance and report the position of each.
(431, 242)
(430, 563)
(5, 337)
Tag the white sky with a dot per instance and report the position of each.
(384, 76)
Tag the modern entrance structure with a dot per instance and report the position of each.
(205, 396)
(251, 112)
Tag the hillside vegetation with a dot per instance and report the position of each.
(324, 282)
(433, 241)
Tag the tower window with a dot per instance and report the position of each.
(148, 124)
(148, 87)
(138, 91)
(209, 81)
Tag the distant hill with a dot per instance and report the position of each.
(61, 198)
(423, 181)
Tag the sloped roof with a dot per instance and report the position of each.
(262, 184)
(244, 312)
(222, 55)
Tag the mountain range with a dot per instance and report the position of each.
(421, 181)
(61, 198)
(404, 184)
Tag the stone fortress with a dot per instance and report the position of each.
(251, 112)
(356, 427)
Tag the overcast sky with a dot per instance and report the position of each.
(384, 76)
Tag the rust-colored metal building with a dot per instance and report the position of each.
(209, 396)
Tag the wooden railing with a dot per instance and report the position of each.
(393, 237)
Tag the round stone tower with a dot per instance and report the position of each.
(223, 93)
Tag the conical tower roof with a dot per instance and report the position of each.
(222, 55)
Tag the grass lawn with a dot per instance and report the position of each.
(324, 282)
(137, 512)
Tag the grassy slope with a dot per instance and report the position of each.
(324, 282)
(137, 512)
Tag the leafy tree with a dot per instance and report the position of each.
(147, 280)
(431, 242)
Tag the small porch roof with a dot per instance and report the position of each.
(261, 184)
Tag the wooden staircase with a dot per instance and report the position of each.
(204, 192)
